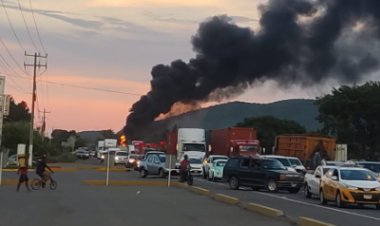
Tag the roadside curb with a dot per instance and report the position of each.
(225, 198)
(199, 190)
(9, 182)
(264, 210)
(306, 221)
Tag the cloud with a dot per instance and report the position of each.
(97, 24)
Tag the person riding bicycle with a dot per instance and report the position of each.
(41, 170)
(184, 167)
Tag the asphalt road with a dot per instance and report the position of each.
(122, 204)
(74, 203)
(296, 205)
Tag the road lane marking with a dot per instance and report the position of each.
(319, 206)
(297, 201)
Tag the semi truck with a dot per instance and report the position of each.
(237, 141)
(183, 141)
(309, 148)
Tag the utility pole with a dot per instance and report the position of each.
(43, 127)
(35, 65)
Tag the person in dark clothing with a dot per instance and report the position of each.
(41, 170)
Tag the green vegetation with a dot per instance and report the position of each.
(352, 114)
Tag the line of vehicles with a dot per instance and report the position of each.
(234, 155)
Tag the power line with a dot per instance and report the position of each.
(93, 88)
(11, 26)
(26, 25)
(8, 65)
(35, 25)
(12, 57)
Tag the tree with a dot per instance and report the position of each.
(17, 112)
(352, 115)
(269, 127)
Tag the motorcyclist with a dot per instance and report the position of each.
(184, 167)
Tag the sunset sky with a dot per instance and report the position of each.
(100, 54)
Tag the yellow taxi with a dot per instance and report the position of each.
(350, 185)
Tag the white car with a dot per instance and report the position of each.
(296, 164)
(216, 169)
(312, 181)
(195, 166)
(283, 159)
(120, 157)
(208, 162)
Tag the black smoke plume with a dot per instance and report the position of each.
(299, 42)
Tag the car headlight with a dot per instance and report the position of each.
(138, 163)
(131, 160)
(102, 157)
(116, 158)
(350, 187)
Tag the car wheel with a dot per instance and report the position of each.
(378, 206)
(161, 173)
(143, 173)
(234, 183)
(338, 200)
(322, 198)
(272, 186)
(306, 191)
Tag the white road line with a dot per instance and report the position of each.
(319, 206)
(300, 202)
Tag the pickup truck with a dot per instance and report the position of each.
(312, 181)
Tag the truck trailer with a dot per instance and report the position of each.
(234, 142)
(310, 149)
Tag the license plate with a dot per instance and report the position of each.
(293, 184)
(367, 196)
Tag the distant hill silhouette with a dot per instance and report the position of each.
(302, 111)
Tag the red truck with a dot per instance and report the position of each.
(234, 142)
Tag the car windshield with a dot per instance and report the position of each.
(221, 163)
(162, 157)
(272, 164)
(295, 162)
(284, 162)
(248, 148)
(122, 153)
(194, 147)
(374, 167)
(357, 175)
(112, 152)
(195, 161)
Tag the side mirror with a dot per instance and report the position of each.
(334, 178)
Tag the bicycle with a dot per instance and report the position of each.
(36, 183)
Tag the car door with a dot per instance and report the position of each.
(155, 164)
(257, 174)
(315, 181)
(149, 163)
(244, 171)
(331, 184)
